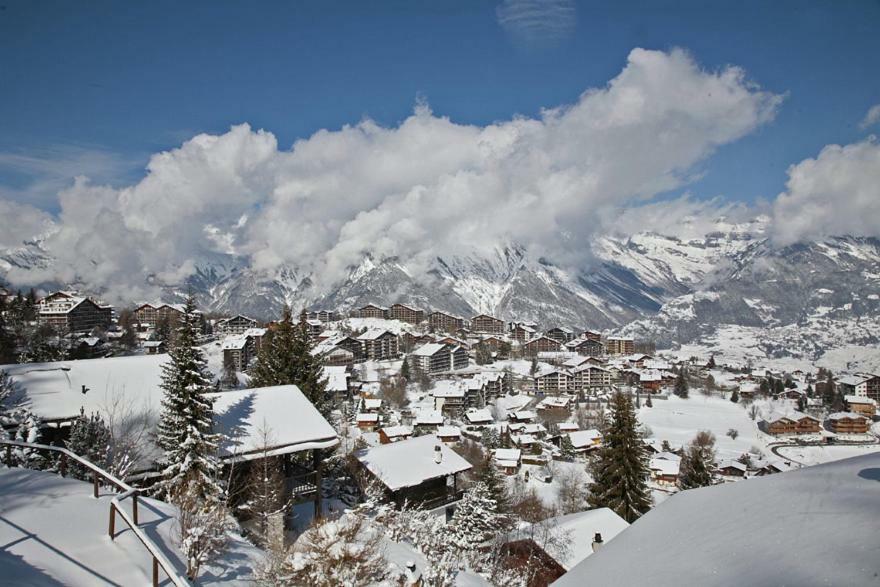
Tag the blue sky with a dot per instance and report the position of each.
(98, 86)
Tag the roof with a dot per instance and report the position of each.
(431, 417)
(337, 377)
(290, 420)
(448, 431)
(237, 342)
(480, 415)
(38, 550)
(508, 454)
(374, 334)
(411, 462)
(580, 529)
(665, 466)
(582, 438)
(852, 380)
(428, 350)
(813, 526)
(846, 416)
(858, 399)
(395, 431)
(447, 388)
(53, 390)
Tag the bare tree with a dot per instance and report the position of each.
(131, 431)
(571, 494)
(265, 501)
(393, 391)
(202, 529)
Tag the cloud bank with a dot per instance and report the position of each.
(836, 193)
(428, 187)
(871, 118)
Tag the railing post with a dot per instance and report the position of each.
(155, 572)
(112, 529)
(134, 507)
(95, 480)
(62, 466)
(9, 455)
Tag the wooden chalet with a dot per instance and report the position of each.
(791, 423)
(847, 423)
(370, 311)
(485, 324)
(541, 344)
(379, 345)
(69, 313)
(406, 313)
(443, 322)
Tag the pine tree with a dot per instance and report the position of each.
(404, 371)
(475, 520)
(648, 402)
(620, 471)
(286, 358)
(186, 425)
(734, 397)
(230, 375)
(695, 469)
(495, 484)
(711, 363)
(533, 369)
(681, 385)
(7, 340)
(489, 438)
(566, 447)
(764, 387)
(90, 439)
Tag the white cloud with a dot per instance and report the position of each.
(537, 22)
(871, 118)
(836, 193)
(21, 222)
(425, 188)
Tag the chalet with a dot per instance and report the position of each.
(479, 417)
(650, 380)
(333, 354)
(256, 337)
(391, 434)
(522, 416)
(560, 334)
(664, 468)
(521, 332)
(406, 314)
(236, 351)
(313, 327)
(533, 429)
(354, 346)
(555, 403)
(323, 315)
(495, 383)
(586, 347)
(862, 384)
(553, 381)
(732, 469)
(585, 440)
(70, 313)
(155, 347)
(443, 322)
(235, 325)
(541, 344)
(428, 420)
(777, 466)
(379, 345)
(847, 423)
(449, 434)
(483, 323)
(370, 311)
(449, 396)
(367, 422)
(791, 423)
(590, 377)
(507, 459)
(864, 406)
(430, 358)
(338, 378)
(420, 471)
(616, 345)
(591, 335)
(555, 357)
(371, 405)
(492, 342)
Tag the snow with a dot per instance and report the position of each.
(53, 390)
(580, 529)
(678, 421)
(815, 455)
(54, 532)
(813, 526)
(410, 462)
(291, 421)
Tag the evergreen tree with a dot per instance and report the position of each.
(734, 397)
(533, 369)
(489, 438)
(90, 439)
(695, 469)
(566, 447)
(681, 385)
(475, 520)
(778, 386)
(765, 387)
(404, 371)
(620, 471)
(648, 402)
(802, 403)
(495, 484)
(286, 358)
(186, 425)
(230, 375)
(711, 363)
(7, 340)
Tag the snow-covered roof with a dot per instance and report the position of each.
(664, 466)
(429, 417)
(54, 391)
(584, 438)
(580, 528)
(448, 431)
(57, 535)
(411, 462)
(733, 465)
(447, 388)
(337, 377)
(373, 334)
(858, 399)
(372, 403)
(291, 421)
(475, 416)
(508, 454)
(236, 342)
(397, 431)
(522, 415)
(365, 417)
(812, 526)
(852, 380)
(846, 416)
(428, 350)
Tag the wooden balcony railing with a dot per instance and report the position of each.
(126, 492)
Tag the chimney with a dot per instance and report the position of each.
(438, 456)
(597, 541)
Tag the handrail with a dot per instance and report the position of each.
(159, 558)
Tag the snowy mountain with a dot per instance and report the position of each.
(721, 284)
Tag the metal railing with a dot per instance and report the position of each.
(126, 492)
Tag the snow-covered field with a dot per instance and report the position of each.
(678, 420)
(815, 455)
